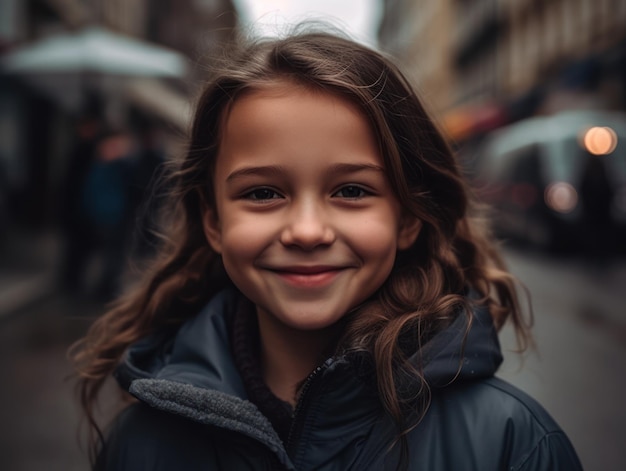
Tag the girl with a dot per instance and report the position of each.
(326, 299)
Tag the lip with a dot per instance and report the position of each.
(308, 276)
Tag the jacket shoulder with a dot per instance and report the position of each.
(518, 404)
(489, 424)
(534, 440)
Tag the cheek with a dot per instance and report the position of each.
(376, 247)
(243, 239)
(377, 234)
(237, 254)
(237, 244)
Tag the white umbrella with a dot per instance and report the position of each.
(66, 66)
(95, 50)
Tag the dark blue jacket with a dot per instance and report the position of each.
(193, 413)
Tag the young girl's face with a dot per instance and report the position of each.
(305, 220)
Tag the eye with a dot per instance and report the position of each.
(261, 194)
(351, 192)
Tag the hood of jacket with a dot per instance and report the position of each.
(192, 373)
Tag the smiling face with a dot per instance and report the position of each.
(305, 220)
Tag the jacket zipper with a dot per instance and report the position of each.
(297, 424)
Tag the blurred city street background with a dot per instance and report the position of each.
(96, 95)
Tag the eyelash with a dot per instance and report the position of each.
(254, 194)
(362, 192)
(267, 194)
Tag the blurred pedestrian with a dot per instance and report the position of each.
(148, 188)
(596, 195)
(4, 202)
(327, 300)
(76, 233)
(102, 216)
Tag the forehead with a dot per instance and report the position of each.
(287, 108)
(284, 93)
(290, 125)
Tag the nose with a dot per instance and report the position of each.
(308, 226)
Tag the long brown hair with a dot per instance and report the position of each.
(425, 289)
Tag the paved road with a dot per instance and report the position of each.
(38, 412)
(579, 375)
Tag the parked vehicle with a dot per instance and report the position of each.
(558, 182)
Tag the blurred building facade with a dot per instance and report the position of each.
(36, 130)
(408, 31)
(486, 62)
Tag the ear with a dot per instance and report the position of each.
(212, 229)
(410, 228)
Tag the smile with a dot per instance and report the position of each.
(308, 277)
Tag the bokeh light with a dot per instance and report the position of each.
(561, 197)
(600, 140)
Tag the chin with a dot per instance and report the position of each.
(308, 319)
(310, 325)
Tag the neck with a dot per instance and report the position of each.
(289, 355)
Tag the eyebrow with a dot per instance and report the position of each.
(354, 168)
(265, 170)
(273, 170)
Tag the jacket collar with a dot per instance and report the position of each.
(192, 373)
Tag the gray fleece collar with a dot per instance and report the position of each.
(210, 407)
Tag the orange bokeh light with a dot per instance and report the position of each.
(600, 140)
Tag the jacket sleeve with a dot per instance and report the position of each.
(146, 439)
(554, 452)
(143, 439)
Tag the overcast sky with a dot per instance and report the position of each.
(269, 17)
